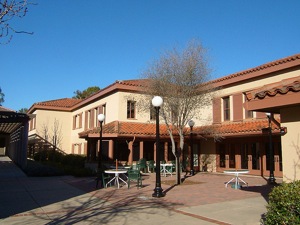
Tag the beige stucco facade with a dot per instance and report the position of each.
(291, 143)
(49, 119)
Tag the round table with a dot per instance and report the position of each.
(116, 178)
(164, 170)
(236, 177)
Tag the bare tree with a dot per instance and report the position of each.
(9, 9)
(45, 131)
(181, 78)
(57, 134)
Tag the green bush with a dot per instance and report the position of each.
(40, 156)
(284, 205)
(74, 160)
(48, 155)
(55, 162)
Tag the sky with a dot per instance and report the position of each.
(78, 44)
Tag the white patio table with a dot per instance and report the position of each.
(116, 178)
(164, 170)
(236, 177)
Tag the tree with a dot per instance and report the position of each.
(181, 78)
(53, 135)
(23, 110)
(9, 9)
(86, 93)
(1, 96)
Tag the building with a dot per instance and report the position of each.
(237, 114)
(14, 135)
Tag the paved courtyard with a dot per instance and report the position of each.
(201, 199)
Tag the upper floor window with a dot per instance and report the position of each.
(131, 109)
(152, 112)
(248, 113)
(77, 121)
(226, 108)
(32, 124)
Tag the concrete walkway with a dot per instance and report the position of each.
(201, 199)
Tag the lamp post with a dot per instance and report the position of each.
(191, 124)
(101, 118)
(158, 191)
(271, 153)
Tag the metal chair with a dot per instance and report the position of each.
(104, 178)
(134, 175)
(151, 166)
(142, 164)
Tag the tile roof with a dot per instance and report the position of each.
(3, 109)
(271, 90)
(294, 59)
(242, 128)
(127, 129)
(63, 102)
(139, 82)
(118, 129)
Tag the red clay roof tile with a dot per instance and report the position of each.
(282, 87)
(149, 129)
(64, 102)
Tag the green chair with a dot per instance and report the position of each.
(134, 175)
(151, 166)
(142, 164)
(104, 179)
(171, 168)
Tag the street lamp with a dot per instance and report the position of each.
(101, 118)
(191, 124)
(271, 153)
(158, 191)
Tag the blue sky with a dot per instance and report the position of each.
(77, 44)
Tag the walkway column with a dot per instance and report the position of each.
(166, 155)
(111, 149)
(141, 149)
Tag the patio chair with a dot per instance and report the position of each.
(134, 175)
(104, 179)
(142, 164)
(151, 166)
(172, 168)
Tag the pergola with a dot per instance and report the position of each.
(14, 135)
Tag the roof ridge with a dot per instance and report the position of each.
(260, 67)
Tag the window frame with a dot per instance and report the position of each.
(131, 109)
(226, 108)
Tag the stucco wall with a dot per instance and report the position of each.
(290, 118)
(47, 119)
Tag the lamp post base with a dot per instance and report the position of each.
(272, 180)
(158, 192)
(192, 172)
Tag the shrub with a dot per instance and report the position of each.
(41, 156)
(284, 204)
(74, 160)
(48, 155)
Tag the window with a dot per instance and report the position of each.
(248, 114)
(100, 110)
(130, 109)
(32, 124)
(77, 121)
(226, 108)
(152, 112)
